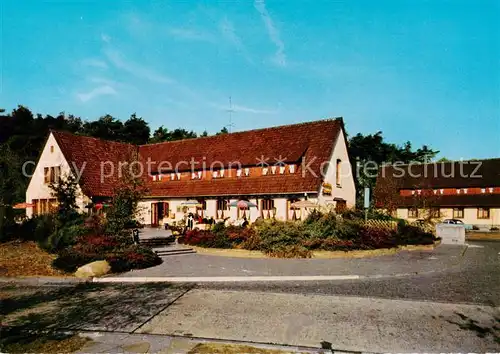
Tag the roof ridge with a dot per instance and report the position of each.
(340, 119)
(90, 137)
(442, 162)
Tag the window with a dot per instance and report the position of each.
(51, 174)
(267, 208)
(483, 213)
(412, 212)
(202, 208)
(247, 171)
(337, 172)
(294, 213)
(44, 206)
(222, 207)
(51, 149)
(458, 213)
(264, 171)
(291, 168)
(435, 213)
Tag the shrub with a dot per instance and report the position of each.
(413, 235)
(289, 251)
(372, 237)
(63, 237)
(494, 228)
(334, 244)
(132, 257)
(70, 259)
(275, 235)
(196, 237)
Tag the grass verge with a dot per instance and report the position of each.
(48, 343)
(25, 259)
(211, 348)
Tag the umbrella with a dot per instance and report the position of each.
(243, 204)
(23, 205)
(304, 204)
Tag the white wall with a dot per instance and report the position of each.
(347, 189)
(470, 216)
(37, 189)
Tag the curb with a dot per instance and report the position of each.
(35, 281)
(231, 279)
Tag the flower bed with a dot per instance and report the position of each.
(327, 232)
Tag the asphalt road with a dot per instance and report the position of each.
(475, 281)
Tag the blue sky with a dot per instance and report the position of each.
(424, 71)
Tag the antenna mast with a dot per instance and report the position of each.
(230, 111)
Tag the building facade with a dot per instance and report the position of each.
(271, 168)
(465, 190)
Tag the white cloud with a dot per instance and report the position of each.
(227, 29)
(96, 63)
(117, 59)
(272, 31)
(96, 92)
(191, 35)
(246, 109)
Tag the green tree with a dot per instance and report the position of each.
(135, 130)
(66, 191)
(222, 131)
(372, 151)
(106, 127)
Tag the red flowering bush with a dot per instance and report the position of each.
(372, 237)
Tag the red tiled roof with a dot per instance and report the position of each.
(88, 153)
(439, 175)
(311, 142)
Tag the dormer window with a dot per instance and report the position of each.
(247, 171)
(172, 176)
(419, 191)
(412, 192)
(435, 191)
(178, 174)
(483, 190)
(154, 177)
(458, 191)
(273, 169)
(221, 173)
(465, 190)
(291, 168)
(282, 170)
(238, 172)
(491, 189)
(193, 175)
(264, 171)
(215, 174)
(441, 191)
(199, 174)
(159, 177)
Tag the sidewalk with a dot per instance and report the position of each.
(105, 342)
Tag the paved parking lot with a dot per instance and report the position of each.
(404, 262)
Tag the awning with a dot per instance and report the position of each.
(23, 205)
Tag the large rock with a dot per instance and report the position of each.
(94, 269)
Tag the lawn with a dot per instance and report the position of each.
(26, 259)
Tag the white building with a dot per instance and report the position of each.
(464, 190)
(271, 168)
